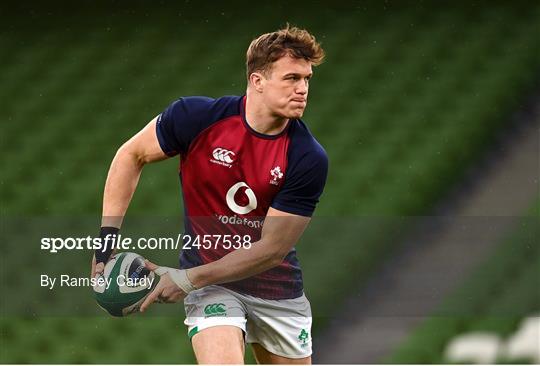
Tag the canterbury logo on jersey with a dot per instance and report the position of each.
(241, 210)
(223, 157)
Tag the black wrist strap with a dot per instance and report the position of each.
(107, 246)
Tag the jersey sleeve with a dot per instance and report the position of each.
(181, 122)
(304, 184)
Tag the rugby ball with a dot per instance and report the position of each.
(124, 284)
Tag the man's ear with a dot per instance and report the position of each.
(256, 80)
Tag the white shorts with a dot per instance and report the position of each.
(282, 327)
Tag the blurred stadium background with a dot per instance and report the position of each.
(412, 100)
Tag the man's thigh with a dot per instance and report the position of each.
(264, 357)
(216, 322)
(223, 344)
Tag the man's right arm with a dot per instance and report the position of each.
(124, 175)
(125, 171)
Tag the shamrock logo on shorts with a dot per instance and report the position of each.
(303, 336)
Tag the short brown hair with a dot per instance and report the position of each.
(270, 47)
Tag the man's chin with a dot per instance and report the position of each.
(296, 114)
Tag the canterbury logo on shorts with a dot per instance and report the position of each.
(215, 310)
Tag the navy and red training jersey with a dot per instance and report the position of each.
(230, 176)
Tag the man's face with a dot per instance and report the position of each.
(285, 87)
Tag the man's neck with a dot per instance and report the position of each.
(260, 119)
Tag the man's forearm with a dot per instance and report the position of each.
(121, 182)
(237, 265)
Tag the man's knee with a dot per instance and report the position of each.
(223, 344)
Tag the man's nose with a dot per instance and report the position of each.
(302, 88)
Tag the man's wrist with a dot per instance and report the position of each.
(107, 234)
(188, 286)
(178, 276)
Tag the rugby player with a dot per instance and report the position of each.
(248, 166)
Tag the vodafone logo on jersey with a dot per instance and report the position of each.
(231, 202)
(223, 157)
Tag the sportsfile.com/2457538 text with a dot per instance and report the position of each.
(119, 242)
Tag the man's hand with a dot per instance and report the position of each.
(166, 290)
(96, 269)
(100, 267)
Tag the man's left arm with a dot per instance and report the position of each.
(280, 232)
